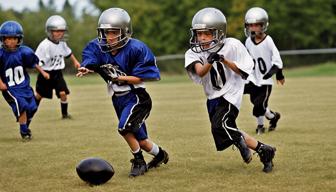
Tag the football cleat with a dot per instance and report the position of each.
(138, 167)
(26, 136)
(266, 154)
(244, 150)
(273, 122)
(67, 116)
(161, 158)
(260, 129)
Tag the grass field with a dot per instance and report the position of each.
(305, 140)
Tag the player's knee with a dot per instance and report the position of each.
(123, 132)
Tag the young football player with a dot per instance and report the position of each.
(125, 64)
(51, 52)
(267, 62)
(221, 64)
(15, 81)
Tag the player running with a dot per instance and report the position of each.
(15, 81)
(220, 65)
(125, 64)
(267, 61)
(51, 52)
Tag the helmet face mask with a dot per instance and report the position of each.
(200, 45)
(211, 20)
(11, 29)
(255, 15)
(56, 23)
(114, 21)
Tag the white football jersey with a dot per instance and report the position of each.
(265, 54)
(221, 81)
(52, 55)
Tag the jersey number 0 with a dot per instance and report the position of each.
(214, 77)
(16, 76)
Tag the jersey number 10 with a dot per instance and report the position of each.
(16, 76)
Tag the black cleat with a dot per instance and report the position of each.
(26, 136)
(260, 129)
(244, 150)
(139, 167)
(161, 158)
(67, 116)
(273, 122)
(266, 154)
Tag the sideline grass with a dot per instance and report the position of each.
(305, 139)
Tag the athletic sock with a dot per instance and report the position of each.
(269, 114)
(23, 128)
(155, 150)
(64, 108)
(260, 120)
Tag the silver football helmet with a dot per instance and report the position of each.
(255, 15)
(110, 20)
(209, 19)
(55, 23)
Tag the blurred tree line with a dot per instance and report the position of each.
(164, 25)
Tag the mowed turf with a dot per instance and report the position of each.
(305, 140)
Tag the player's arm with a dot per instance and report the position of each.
(280, 77)
(74, 61)
(3, 86)
(231, 65)
(43, 73)
(202, 70)
(129, 79)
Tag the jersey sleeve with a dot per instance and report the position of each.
(190, 59)
(237, 53)
(41, 52)
(29, 58)
(276, 59)
(67, 50)
(89, 55)
(145, 64)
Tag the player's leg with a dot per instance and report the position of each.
(273, 117)
(133, 108)
(160, 155)
(19, 107)
(259, 98)
(265, 152)
(24, 130)
(224, 129)
(64, 105)
(43, 88)
(62, 91)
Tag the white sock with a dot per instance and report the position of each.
(269, 114)
(260, 120)
(155, 150)
(136, 151)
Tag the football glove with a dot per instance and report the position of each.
(213, 57)
(110, 73)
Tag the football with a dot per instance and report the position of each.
(94, 171)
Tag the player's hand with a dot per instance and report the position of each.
(77, 65)
(213, 57)
(281, 82)
(3, 87)
(46, 75)
(83, 71)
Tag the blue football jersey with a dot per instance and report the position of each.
(134, 59)
(13, 67)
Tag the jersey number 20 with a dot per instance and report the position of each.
(16, 76)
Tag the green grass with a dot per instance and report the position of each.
(305, 141)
